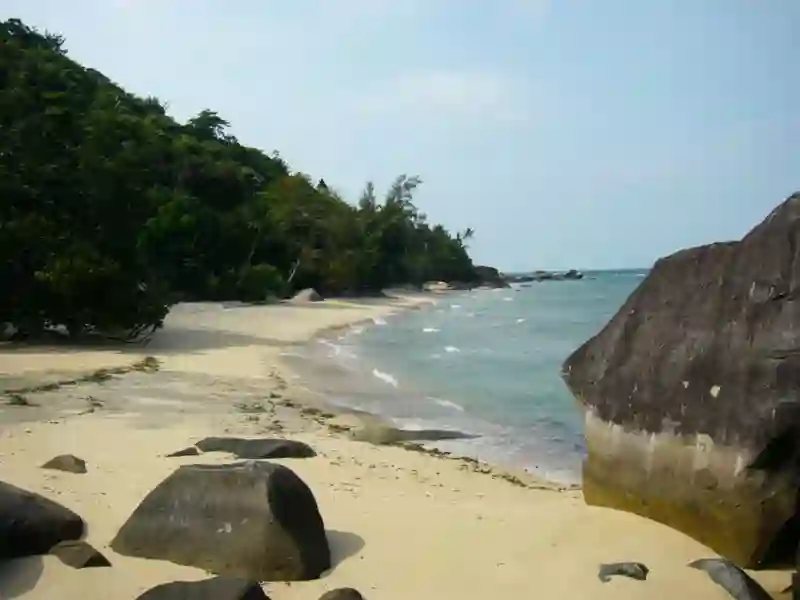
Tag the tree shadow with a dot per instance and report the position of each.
(17, 577)
(343, 545)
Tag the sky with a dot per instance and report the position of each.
(567, 133)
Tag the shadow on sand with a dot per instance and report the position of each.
(343, 545)
(17, 577)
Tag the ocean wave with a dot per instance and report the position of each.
(520, 320)
(379, 320)
(455, 306)
(385, 377)
(356, 330)
(508, 299)
(446, 403)
(451, 349)
(430, 330)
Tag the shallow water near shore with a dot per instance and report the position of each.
(486, 362)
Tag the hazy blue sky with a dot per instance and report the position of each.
(586, 133)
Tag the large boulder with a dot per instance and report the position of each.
(692, 410)
(257, 520)
(216, 588)
(257, 448)
(31, 524)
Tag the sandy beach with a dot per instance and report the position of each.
(402, 524)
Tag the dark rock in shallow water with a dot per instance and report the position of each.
(79, 554)
(66, 462)
(731, 578)
(634, 570)
(257, 448)
(342, 594)
(692, 394)
(31, 524)
(217, 588)
(255, 519)
(190, 451)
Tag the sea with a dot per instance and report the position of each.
(483, 362)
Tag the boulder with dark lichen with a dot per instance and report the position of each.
(254, 519)
(31, 524)
(257, 447)
(691, 394)
(216, 588)
(342, 594)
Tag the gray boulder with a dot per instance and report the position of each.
(217, 588)
(691, 394)
(342, 594)
(257, 448)
(731, 578)
(66, 462)
(256, 520)
(31, 524)
(188, 451)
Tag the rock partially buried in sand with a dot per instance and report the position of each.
(79, 555)
(691, 396)
(386, 434)
(634, 570)
(217, 588)
(190, 451)
(342, 594)
(257, 448)
(731, 578)
(66, 462)
(257, 520)
(31, 524)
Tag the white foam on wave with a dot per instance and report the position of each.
(356, 330)
(379, 320)
(436, 355)
(335, 349)
(385, 377)
(455, 306)
(446, 403)
(430, 330)
(520, 320)
(508, 299)
(451, 349)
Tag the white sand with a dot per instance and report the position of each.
(402, 524)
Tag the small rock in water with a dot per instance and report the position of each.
(217, 588)
(634, 570)
(66, 462)
(79, 554)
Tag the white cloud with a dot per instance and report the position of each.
(448, 93)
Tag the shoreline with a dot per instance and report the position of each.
(516, 476)
(220, 373)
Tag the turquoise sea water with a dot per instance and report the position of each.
(486, 362)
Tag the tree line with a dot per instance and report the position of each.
(112, 211)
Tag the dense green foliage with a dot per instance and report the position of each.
(111, 210)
